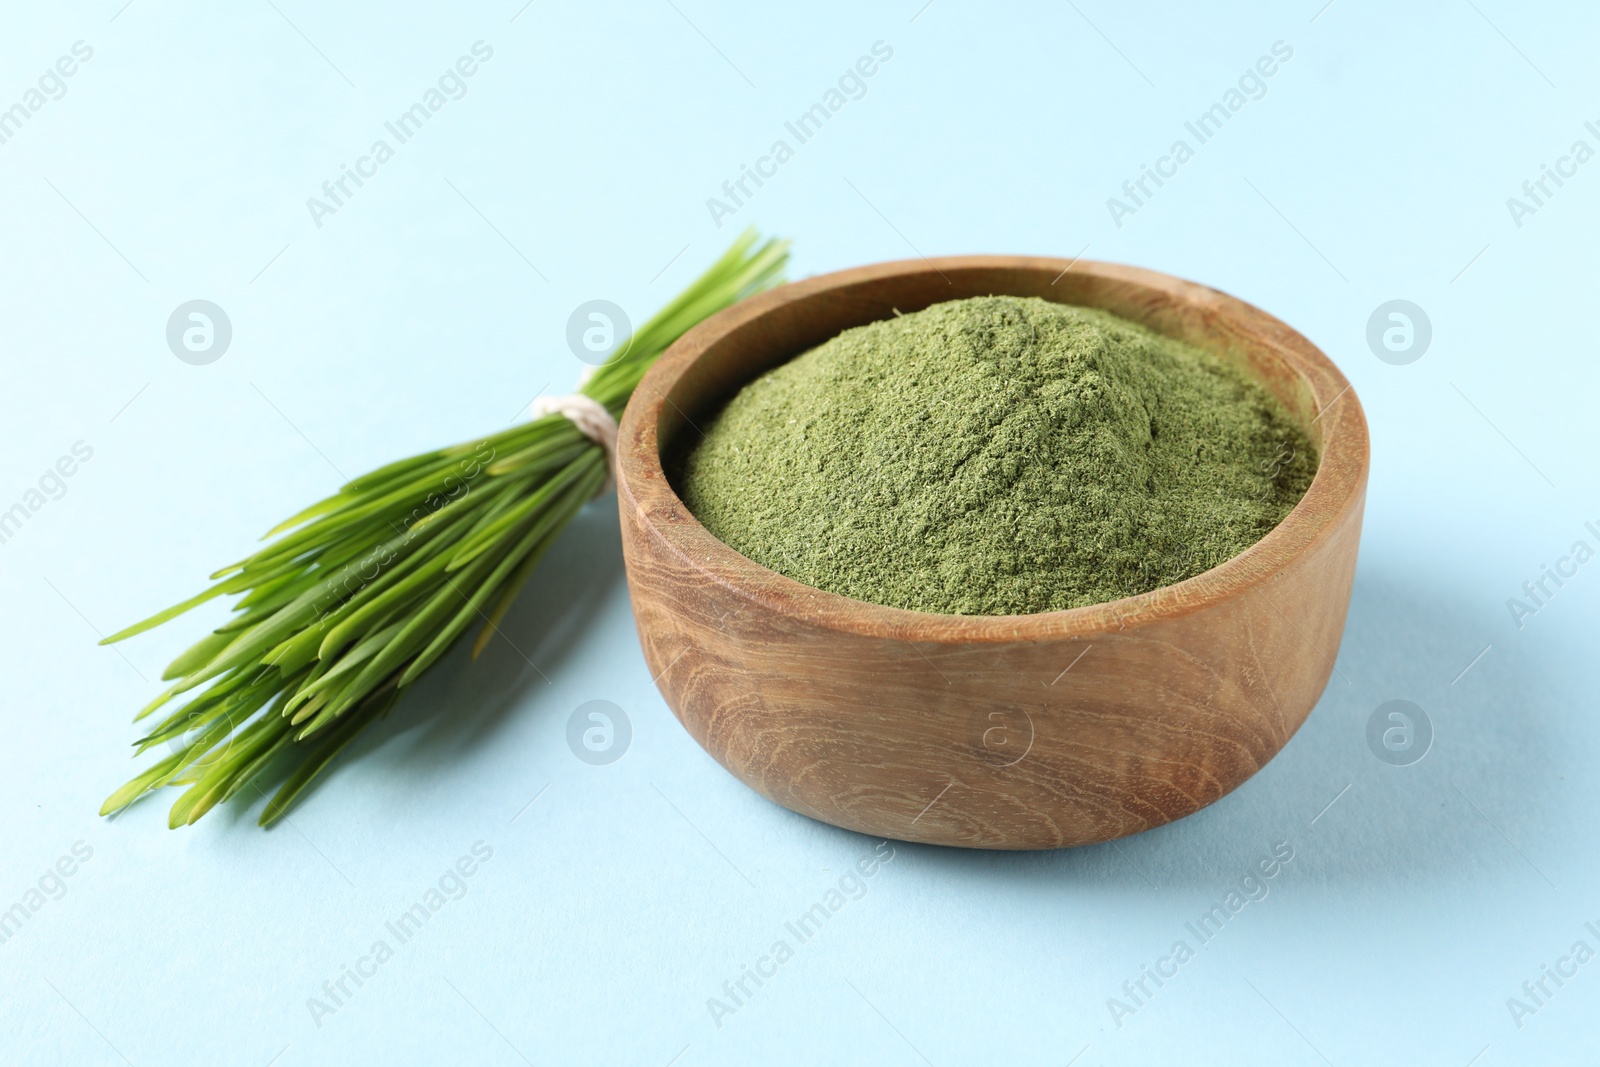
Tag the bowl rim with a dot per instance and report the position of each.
(1337, 487)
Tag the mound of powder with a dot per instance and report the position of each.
(995, 456)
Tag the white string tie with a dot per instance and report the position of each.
(591, 417)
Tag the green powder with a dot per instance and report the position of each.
(996, 456)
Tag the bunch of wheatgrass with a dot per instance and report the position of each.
(368, 588)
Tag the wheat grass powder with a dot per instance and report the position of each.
(995, 456)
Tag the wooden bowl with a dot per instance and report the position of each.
(1018, 731)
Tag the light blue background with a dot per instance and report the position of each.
(177, 167)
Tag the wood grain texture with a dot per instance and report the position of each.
(1023, 731)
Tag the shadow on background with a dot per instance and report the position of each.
(460, 705)
(1488, 773)
(1479, 801)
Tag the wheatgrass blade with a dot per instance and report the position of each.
(354, 597)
